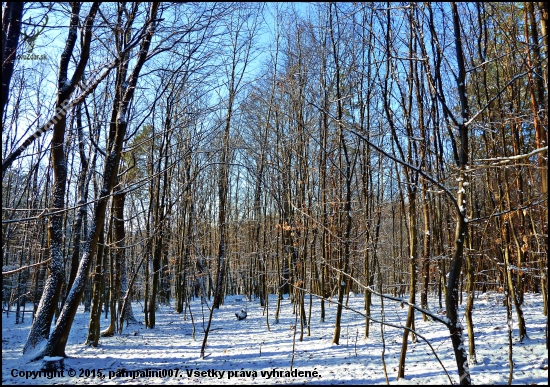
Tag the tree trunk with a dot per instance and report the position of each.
(412, 287)
(344, 257)
(470, 303)
(451, 299)
(126, 88)
(11, 29)
(48, 302)
(117, 258)
(95, 311)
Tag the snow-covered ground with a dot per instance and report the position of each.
(245, 352)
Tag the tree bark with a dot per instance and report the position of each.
(58, 339)
(451, 299)
(117, 259)
(11, 30)
(48, 302)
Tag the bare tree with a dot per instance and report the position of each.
(12, 13)
(40, 329)
(125, 88)
(241, 31)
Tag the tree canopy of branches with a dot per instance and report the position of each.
(206, 149)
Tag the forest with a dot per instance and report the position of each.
(157, 154)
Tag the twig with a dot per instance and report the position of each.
(356, 336)
(25, 267)
(442, 320)
(384, 323)
(504, 160)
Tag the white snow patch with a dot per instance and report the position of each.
(247, 346)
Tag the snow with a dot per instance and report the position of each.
(52, 358)
(245, 352)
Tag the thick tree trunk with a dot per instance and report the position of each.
(48, 302)
(81, 215)
(58, 339)
(451, 299)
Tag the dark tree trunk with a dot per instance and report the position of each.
(48, 303)
(126, 88)
(452, 296)
(118, 258)
(97, 300)
(11, 29)
(344, 258)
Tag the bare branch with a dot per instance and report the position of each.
(5, 273)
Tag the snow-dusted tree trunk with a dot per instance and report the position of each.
(451, 299)
(117, 131)
(48, 302)
(83, 182)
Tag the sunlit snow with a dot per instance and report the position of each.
(238, 350)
